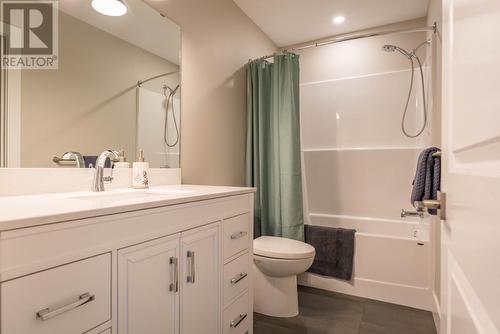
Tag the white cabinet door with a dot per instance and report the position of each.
(148, 287)
(200, 289)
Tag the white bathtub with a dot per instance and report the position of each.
(392, 260)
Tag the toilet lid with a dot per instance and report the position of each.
(282, 248)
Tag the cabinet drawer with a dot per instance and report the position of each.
(70, 299)
(236, 277)
(236, 235)
(237, 317)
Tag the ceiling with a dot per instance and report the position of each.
(160, 36)
(289, 22)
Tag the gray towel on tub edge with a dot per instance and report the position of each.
(334, 250)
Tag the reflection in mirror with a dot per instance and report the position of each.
(117, 86)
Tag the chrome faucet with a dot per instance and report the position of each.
(99, 178)
(420, 212)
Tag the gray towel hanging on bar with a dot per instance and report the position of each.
(427, 181)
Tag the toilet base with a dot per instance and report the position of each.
(275, 296)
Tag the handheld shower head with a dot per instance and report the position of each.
(411, 55)
(392, 48)
(389, 48)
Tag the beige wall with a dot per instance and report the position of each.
(217, 41)
(89, 103)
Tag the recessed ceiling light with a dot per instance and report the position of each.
(338, 19)
(110, 7)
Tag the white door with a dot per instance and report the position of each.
(470, 237)
(148, 287)
(200, 289)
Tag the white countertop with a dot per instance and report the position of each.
(32, 210)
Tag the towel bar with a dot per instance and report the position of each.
(418, 213)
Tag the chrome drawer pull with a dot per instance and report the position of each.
(191, 276)
(46, 313)
(174, 286)
(238, 235)
(238, 321)
(238, 278)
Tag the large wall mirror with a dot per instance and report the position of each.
(117, 86)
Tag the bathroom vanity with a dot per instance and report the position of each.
(172, 259)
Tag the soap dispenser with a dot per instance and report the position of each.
(140, 170)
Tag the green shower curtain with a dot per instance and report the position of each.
(273, 163)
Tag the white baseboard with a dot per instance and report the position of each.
(437, 313)
(412, 296)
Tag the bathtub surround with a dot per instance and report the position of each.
(152, 114)
(358, 166)
(273, 163)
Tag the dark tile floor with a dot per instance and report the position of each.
(323, 312)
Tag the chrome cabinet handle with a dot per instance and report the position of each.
(238, 320)
(238, 235)
(174, 286)
(238, 278)
(191, 276)
(47, 313)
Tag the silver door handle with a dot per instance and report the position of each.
(191, 276)
(238, 320)
(47, 313)
(238, 235)
(174, 286)
(238, 278)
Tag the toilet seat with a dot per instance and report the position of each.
(282, 248)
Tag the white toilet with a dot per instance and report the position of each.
(277, 262)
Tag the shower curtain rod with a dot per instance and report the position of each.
(348, 37)
(140, 82)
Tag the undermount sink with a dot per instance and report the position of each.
(129, 194)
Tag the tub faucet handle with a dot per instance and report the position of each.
(418, 213)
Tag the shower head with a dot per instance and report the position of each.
(389, 48)
(392, 48)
